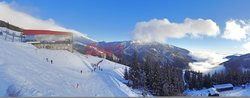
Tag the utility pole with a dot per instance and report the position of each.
(13, 36)
(1, 32)
(72, 43)
(5, 34)
(7, 30)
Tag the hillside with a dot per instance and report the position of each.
(10, 26)
(26, 72)
(241, 62)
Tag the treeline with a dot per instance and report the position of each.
(154, 77)
(197, 80)
(10, 26)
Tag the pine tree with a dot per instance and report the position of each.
(199, 80)
(207, 81)
(160, 80)
(156, 80)
(134, 73)
(126, 75)
(146, 74)
(187, 78)
(146, 70)
(172, 81)
(193, 81)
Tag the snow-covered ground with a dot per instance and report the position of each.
(237, 91)
(24, 71)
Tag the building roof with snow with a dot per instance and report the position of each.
(45, 32)
(220, 86)
(223, 87)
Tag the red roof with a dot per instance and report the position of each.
(44, 32)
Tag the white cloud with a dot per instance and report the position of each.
(236, 30)
(27, 21)
(207, 62)
(158, 30)
(246, 46)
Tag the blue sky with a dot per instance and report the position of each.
(115, 20)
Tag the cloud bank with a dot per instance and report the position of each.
(246, 46)
(27, 21)
(236, 30)
(207, 62)
(158, 30)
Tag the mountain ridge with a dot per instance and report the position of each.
(165, 53)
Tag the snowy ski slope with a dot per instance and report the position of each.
(24, 71)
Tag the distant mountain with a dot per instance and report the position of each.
(164, 53)
(231, 56)
(238, 62)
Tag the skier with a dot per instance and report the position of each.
(77, 85)
(94, 68)
(81, 71)
(51, 61)
(47, 59)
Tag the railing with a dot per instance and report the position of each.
(7, 35)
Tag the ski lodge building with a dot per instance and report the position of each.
(55, 40)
